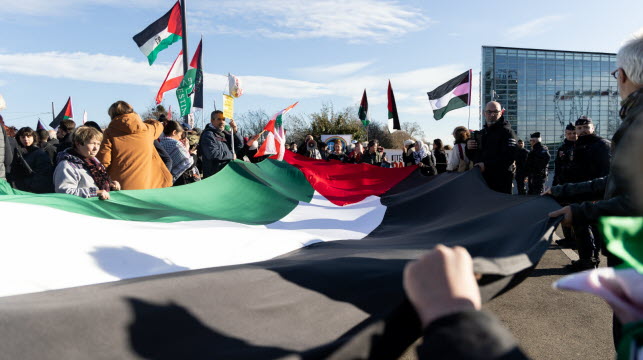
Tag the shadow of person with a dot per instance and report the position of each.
(170, 331)
(125, 262)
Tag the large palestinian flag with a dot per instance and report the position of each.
(160, 34)
(451, 95)
(258, 261)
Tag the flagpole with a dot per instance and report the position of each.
(184, 42)
(53, 116)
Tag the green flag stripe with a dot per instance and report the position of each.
(255, 194)
(623, 236)
(151, 57)
(454, 103)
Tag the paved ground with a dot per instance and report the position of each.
(552, 324)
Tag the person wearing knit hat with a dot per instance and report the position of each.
(536, 166)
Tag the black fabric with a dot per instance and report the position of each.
(440, 161)
(32, 171)
(564, 171)
(592, 156)
(330, 300)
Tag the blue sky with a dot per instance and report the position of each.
(284, 51)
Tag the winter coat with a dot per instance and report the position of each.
(50, 150)
(70, 177)
(613, 188)
(440, 160)
(537, 161)
(32, 170)
(6, 154)
(564, 171)
(215, 147)
(374, 159)
(64, 144)
(128, 153)
(592, 157)
(180, 158)
(521, 161)
(458, 160)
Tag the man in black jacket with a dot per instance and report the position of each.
(215, 144)
(564, 171)
(521, 167)
(537, 162)
(494, 151)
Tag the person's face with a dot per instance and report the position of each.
(359, 148)
(26, 140)
(178, 134)
(218, 121)
(492, 113)
(618, 75)
(570, 135)
(417, 146)
(337, 147)
(521, 144)
(373, 149)
(60, 133)
(582, 130)
(533, 141)
(90, 149)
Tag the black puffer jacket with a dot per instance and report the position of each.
(537, 161)
(612, 189)
(592, 156)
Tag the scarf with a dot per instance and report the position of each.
(419, 155)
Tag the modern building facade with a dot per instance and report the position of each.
(543, 90)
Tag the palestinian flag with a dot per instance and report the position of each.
(257, 261)
(40, 126)
(197, 63)
(275, 142)
(160, 34)
(363, 110)
(451, 95)
(172, 79)
(190, 84)
(393, 118)
(64, 114)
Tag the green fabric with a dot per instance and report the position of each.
(624, 237)
(151, 57)
(631, 340)
(184, 91)
(242, 192)
(454, 103)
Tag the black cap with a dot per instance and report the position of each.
(570, 126)
(583, 120)
(535, 135)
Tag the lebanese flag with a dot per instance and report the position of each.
(451, 95)
(65, 113)
(190, 271)
(160, 34)
(393, 118)
(172, 79)
(275, 142)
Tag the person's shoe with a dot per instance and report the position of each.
(566, 243)
(582, 265)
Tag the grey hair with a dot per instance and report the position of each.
(630, 58)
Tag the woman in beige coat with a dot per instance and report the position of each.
(128, 152)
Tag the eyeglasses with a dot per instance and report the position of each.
(615, 74)
(492, 112)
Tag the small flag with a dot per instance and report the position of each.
(65, 113)
(393, 118)
(169, 113)
(84, 116)
(197, 63)
(275, 143)
(451, 95)
(228, 106)
(172, 79)
(40, 126)
(234, 86)
(363, 110)
(160, 34)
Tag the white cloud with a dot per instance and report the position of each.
(332, 70)
(355, 20)
(533, 27)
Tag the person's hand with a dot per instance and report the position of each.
(115, 185)
(567, 212)
(233, 125)
(103, 195)
(442, 283)
(472, 144)
(546, 192)
(480, 165)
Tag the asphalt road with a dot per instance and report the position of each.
(552, 324)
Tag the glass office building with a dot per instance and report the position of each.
(543, 90)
